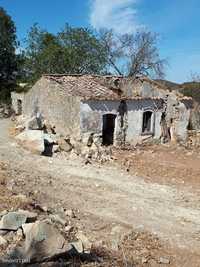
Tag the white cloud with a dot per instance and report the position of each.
(119, 15)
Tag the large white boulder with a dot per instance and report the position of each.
(32, 140)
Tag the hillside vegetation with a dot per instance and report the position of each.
(191, 89)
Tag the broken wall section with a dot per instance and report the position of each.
(50, 101)
(177, 118)
(18, 102)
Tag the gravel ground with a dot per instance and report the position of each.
(107, 196)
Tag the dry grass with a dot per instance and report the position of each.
(136, 250)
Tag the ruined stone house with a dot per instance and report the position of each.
(113, 109)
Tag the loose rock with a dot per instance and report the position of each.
(164, 260)
(70, 213)
(68, 228)
(42, 242)
(35, 123)
(86, 243)
(56, 218)
(65, 145)
(32, 140)
(3, 242)
(12, 221)
(78, 246)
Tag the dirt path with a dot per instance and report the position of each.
(106, 194)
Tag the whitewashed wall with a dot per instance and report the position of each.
(91, 117)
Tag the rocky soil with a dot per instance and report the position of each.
(129, 220)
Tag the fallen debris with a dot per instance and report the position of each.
(65, 145)
(70, 213)
(5, 111)
(32, 140)
(85, 242)
(35, 123)
(164, 260)
(138, 249)
(42, 243)
(12, 221)
(57, 219)
(3, 241)
(38, 136)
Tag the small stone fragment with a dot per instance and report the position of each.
(57, 219)
(68, 228)
(144, 260)
(78, 245)
(70, 213)
(3, 242)
(85, 241)
(164, 260)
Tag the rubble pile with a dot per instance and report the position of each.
(39, 136)
(193, 140)
(29, 237)
(5, 111)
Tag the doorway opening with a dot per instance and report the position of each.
(19, 107)
(108, 129)
(146, 126)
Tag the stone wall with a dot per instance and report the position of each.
(71, 116)
(177, 118)
(195, 117)
(181, 122)
(53, 103)
(15, 97)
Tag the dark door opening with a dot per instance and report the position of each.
(19, 107)
(146, 127)
(108, 129)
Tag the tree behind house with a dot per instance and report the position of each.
(133, 54)
(8, 58)
(73, 50)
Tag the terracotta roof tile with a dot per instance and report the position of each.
(96, 87)
(85, 86)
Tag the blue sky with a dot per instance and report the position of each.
(176, 21)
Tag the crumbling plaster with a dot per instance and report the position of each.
(92, 112)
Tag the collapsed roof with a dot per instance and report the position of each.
(109, 87)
